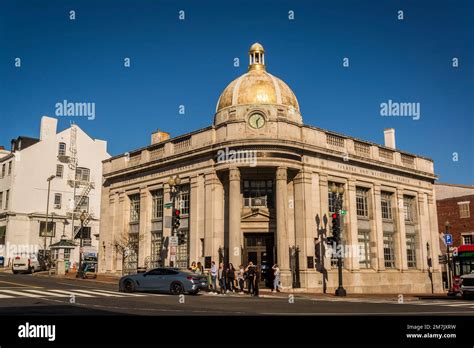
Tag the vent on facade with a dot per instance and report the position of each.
(408, 161)
(362, 149)
(182, 145)
(386, 154)
(334, 140)
(157, 153)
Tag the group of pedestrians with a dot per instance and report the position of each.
(226, 278)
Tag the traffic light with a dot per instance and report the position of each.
(181, 238)
(176, 219)
(335, 226)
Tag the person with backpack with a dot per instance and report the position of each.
(250, 277)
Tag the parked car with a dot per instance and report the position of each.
(467, 285)
(169, 280)
(25, 263)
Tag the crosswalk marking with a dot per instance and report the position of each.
(88, 293)
(99, 293)
(120, 293)
(6, 296)
(46, 293)
(70, 292)
(19, 293)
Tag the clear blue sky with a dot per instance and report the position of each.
(190, 62)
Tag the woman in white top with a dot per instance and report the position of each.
(276, 279)
(241, 278)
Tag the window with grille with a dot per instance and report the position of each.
(156, 249)
(157, 204)
(62, 149)
(386, 203)
(362, 195)
(57, 199)
(182, 251)
(388, 250)
(464, 210)
(134, 208)
(467, 239)
(50, 232)
(411, 250)
(364, 248)
(59, 170)
(258, 193)
(409, 208)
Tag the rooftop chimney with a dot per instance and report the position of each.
(48, 127)
(159, 136)
(389, 137)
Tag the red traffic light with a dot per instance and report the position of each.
(176, 212)
(334, 215)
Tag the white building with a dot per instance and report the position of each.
(24, 174)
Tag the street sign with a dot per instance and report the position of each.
(342, 212)
(168, 205)
(448, 239)
(173, 241)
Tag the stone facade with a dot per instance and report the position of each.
(254, 183)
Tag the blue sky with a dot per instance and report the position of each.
(190, 62)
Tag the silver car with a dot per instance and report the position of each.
(467, 285)
(170, 280)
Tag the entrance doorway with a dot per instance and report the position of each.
(259, 248)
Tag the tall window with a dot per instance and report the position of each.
(57, 200)
(10, 167)
(388, 250)
(183, 200)
(134, 208)
(62, 149)
(4, 166)
(409, 208)
(83, 174)
(1, 200)
(7, 198)
(464, 210)
(386, 202)
(331, 198)
(411, 250)
(157, 204)
(51, 229)
(364, 248)
(81, 204)
(59, 170)
(362, 195)
(258, 193)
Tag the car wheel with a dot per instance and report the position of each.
(31, 270)
(176, 288)
(15, 272)
(129, 285)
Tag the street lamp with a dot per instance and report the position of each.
(447, 225)
(174, 183)
(47, 213)
(82, 218)
(337, 192)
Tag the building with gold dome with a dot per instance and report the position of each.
(257, 186)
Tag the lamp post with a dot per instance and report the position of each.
(448, 263)
(174, 183)
(82, 218)
(338, 192)
(47, 213)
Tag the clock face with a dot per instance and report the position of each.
(256, 121)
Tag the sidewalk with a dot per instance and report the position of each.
(101, 278)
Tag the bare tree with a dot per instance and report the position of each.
(126, 245)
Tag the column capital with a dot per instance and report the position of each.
(281, 173)
(234, 174)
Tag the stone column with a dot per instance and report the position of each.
(194, 241)
(422, 225)
(122, 225)
(167, 221)
(281, 224)
(434, 234)
(235, 207)
(305, 228)
(351, 235)
(377, 227)
(401, 251)
(213, 215)
(144, 239)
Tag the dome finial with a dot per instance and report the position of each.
(256, 57)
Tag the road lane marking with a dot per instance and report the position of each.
(20, 284)
(122, 293)
(70, 292)
(19, 293)
(6, 296)
(46, 293)
(95, 292)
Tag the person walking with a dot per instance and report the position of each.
(214, 276)
(230, 277)
(258, 274)
(221, 278)
(250, 277)
(241, 278)
(276, 278)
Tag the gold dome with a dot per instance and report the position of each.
(257, 86)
